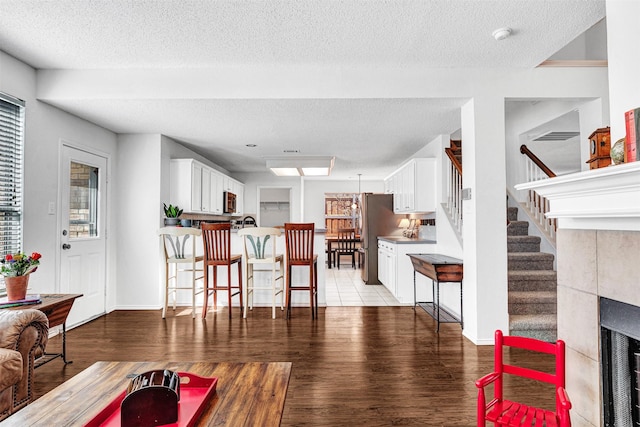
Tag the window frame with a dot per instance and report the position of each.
(12, 128)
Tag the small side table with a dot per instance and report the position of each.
(56, 307)
(438, 268)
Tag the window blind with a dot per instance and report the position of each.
(11, 159)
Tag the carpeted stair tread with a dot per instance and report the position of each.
(512, 214)
(532, 297)
(548, 335)
(530, 261)
(532, 302)
(535, 322)
(518, 228)
(533, 275)
(532, 280)
(523, 243)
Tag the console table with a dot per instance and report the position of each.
(247, 394)
(56, 307)
(438, 268)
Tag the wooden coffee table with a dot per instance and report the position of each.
(247, 394)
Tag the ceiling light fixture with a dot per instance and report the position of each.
(502, 33)
(301, 165)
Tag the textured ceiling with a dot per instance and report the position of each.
(370, 133)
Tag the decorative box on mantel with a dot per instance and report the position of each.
(599, 199)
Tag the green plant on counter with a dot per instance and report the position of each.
(172, 211)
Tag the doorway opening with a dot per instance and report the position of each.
(274, 206)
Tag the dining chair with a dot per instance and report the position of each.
(299, 253)
(258, 256)
(180, 257)
(345, 245)
(217, 253)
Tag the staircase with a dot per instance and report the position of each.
(532, 283)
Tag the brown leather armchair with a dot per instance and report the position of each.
(23, 336)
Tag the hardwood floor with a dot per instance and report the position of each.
(374, 366)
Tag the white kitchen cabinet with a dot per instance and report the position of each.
(197, 188)
(397, 269)
(238, 188)
(413, 186)
(186, 185)
(387, 266)
(215, 191)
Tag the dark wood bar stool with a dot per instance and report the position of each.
(217, 253)
(299, 241)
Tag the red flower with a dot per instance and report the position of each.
(36, 256)
(8, 257)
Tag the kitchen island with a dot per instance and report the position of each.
(262, 297)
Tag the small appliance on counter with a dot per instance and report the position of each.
(249, 221)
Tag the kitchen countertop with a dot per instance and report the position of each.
(402, 239)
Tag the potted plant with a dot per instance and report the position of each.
(172, 213)
(16, 269)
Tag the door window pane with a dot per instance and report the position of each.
(83, 201)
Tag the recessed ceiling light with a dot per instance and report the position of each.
(502, 33)
(251, 145)
(301, 165)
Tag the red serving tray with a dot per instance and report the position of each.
(193, 395)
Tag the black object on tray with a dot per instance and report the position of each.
(151, 400)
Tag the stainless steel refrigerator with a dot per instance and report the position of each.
(376, 219)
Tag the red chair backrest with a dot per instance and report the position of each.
(299, 242)
(557, 349)
(217, 241)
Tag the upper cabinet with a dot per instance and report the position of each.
(413, 186)
(198, 188)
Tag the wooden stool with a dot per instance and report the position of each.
(217, 253)
(299, 242)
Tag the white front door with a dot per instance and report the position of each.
(83, 241)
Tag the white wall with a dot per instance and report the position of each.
(274, 207)
(622, 34)
(139, 217)
(525, 115)
(45, 127)
(254, 180)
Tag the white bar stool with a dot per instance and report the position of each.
(174, 242)
(256, 252)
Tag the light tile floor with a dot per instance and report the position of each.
(345, 287)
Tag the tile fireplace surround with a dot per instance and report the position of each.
(598, 250)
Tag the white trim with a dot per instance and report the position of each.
(600, 199)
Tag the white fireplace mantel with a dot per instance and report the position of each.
(600, 199)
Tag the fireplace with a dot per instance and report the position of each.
(620, 363)
(598, 243)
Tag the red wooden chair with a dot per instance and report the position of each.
(502, 412)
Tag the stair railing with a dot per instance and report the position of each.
(454, 191)
(537, 205)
